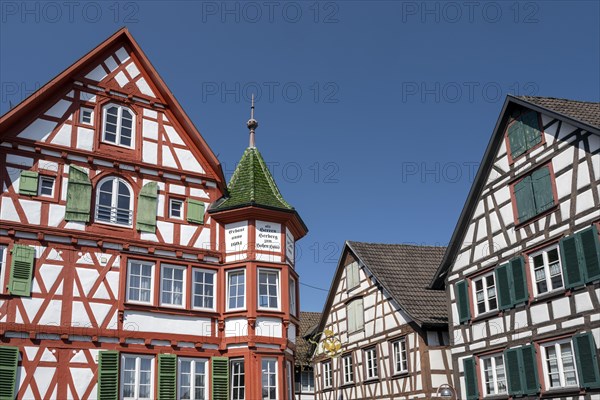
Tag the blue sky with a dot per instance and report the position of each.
(374, 115)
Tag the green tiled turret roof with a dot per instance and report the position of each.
(252, 184)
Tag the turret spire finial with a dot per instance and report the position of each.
(252, 124)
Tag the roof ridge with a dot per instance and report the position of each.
(557, 98)
(398, 244)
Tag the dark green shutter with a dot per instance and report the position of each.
(529, 373)
(28, 183)
(108, 375)
(586, 357)
(462, 299)
(21, 270)
(525, 201)
(513, 371)
(516, 138)
(590, 253)
(519, 280)
(570, 262)
(220, 378)
(531, 128)
(167, 377)
(79, 195)
(542, 189)
(9, 360)
(147, 208)
(195, 211)
(503, 287)
(471, 386)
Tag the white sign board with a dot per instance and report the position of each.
(268, 236)
(236, 237)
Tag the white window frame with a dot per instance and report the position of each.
(152, 269)
(486, 299)
(214, 289)
(327, 375)
(355, 309)
(493, 358)
(81, 116)
(289, 373)
(544, 252)
(352, 276)
(43, 178)
(183, 268)
(137, 358)
(277, 288)
(120, 109)
(293, 287)
(347, 369)
(193, 365)
(559, 361)
(271, 362)
(230, 272)
(3, 252)
(181, 209)
(371, 363)
(231, 377)
(114, 201)
(307, 382)
(400, 355)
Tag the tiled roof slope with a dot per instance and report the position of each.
(583, 111)
(308, 323)
(252, 184)
(406, 271)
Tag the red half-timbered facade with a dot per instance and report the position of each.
(128, 270)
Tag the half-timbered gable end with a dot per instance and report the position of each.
(522, 270)
(383, 334)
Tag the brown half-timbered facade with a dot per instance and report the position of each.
(522, 270)
(383, 335)
(128, 269)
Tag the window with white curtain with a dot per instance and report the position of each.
(137, 377)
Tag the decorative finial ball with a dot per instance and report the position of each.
(252, 123)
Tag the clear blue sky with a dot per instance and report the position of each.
(373, 114)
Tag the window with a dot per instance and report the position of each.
(355, 313)
(534, 194)
(268, 289)
(114, 202)
(193, 382)
(3, 253)
(352, 275)
(524, 133)
(306, 382)
(348, 369)
(137, 377)
(46, 186)
(400, 355)
(176, 209)
(293, 305)
(485, 293)
(139, 281)
(86, 115)
(494, 375)
(118, 125)
(327, 377)
(237, 380)
(559, 365)
(290, 388)
(269, 379)
(371, 363)
(236, 290)
(172, 285)
(204, 289)
(547, 270)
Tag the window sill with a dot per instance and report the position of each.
(347, 385)
(553, 393)
(497, 397)
(519, 225)
(487, 315)
(371, 380)
(399, 375)
(561, 292)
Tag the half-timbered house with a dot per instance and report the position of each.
(128, 270)
(522, 269)
(383, 334)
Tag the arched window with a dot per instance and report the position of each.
(114, 202)
(118, 125)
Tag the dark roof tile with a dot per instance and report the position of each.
(583, 111)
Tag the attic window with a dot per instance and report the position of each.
(118, 126)
(86, 116)
(524, 133)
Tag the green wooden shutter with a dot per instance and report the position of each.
(147, 208)
(516, 138)
(525, 201)
(529, 375)
(28, 183)
(195, 211)
(167, 377)
(503, 287)
(513, 371)
(462, 299)
(21, 270)
(220, 378)
(9, 361)
(531, 127)
(586, 357)
(542, 189)
(471, 386)
(589, 244)
(79, 195)
(518, 280)
(108, 375)
(570, 262)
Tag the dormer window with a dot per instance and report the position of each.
(118, 125)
